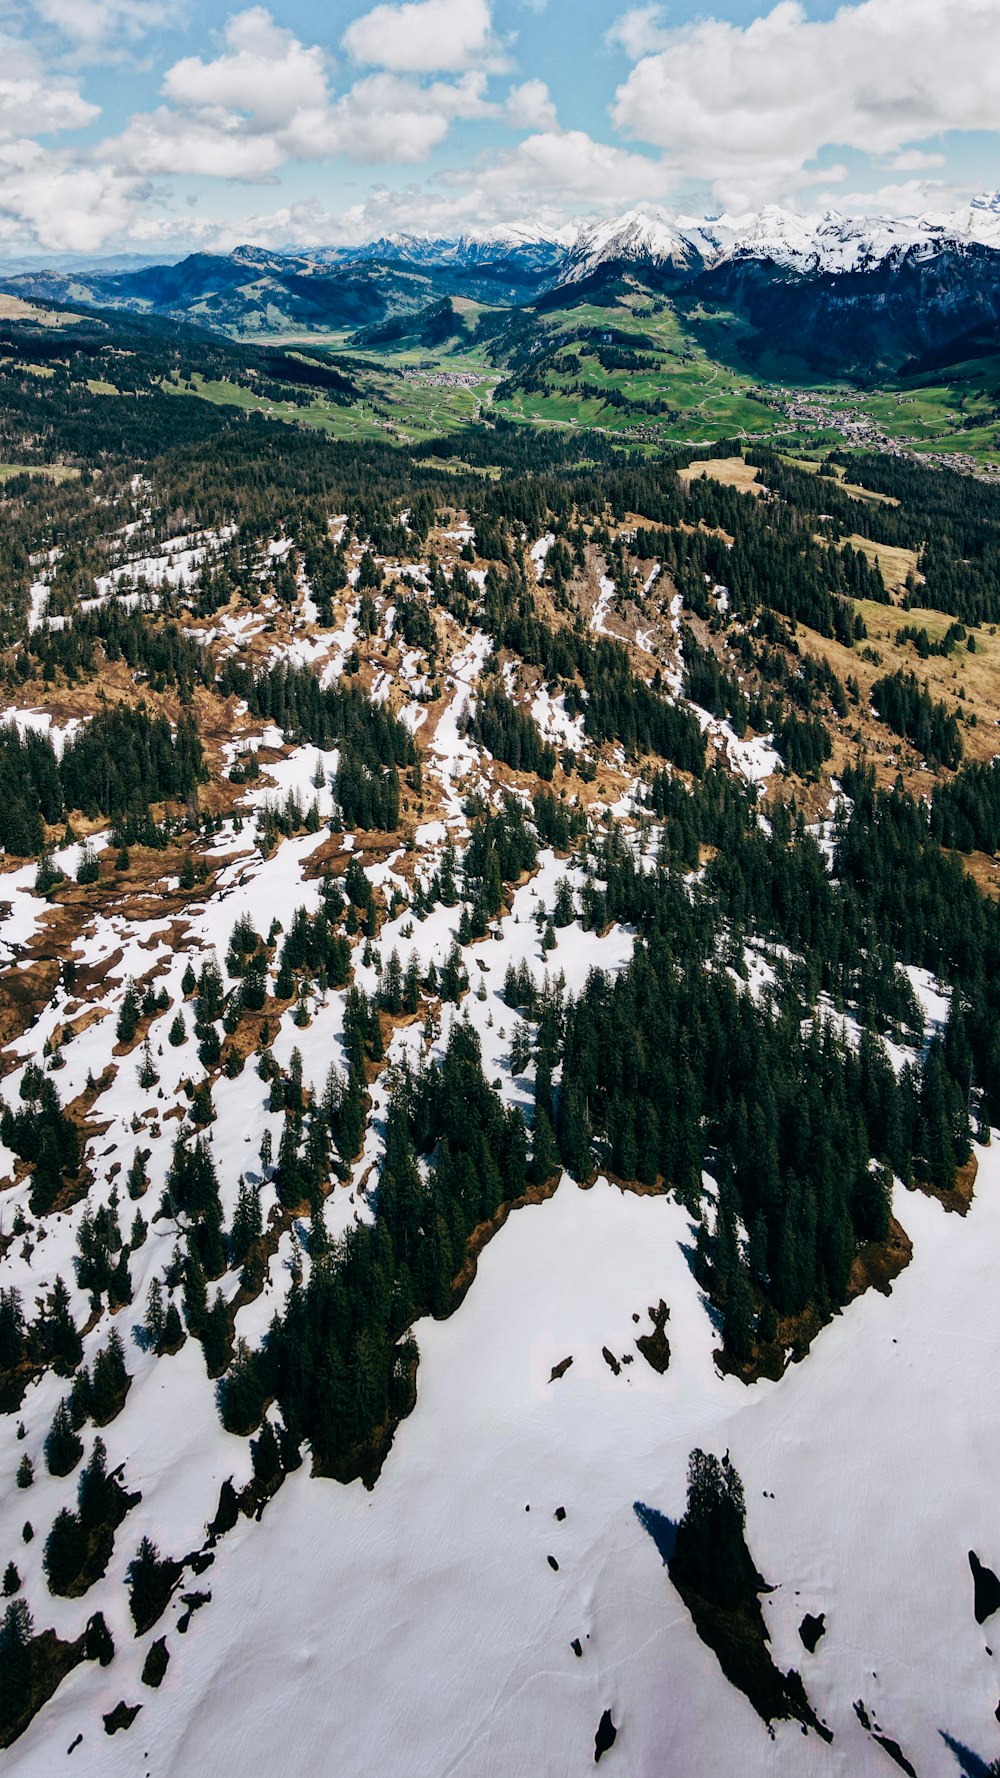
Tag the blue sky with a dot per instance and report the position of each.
(155, 126)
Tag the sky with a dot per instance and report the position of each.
(158, 126)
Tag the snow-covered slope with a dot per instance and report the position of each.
(642, 236)
(478, 1611)
(421, 1629)
(826, 242)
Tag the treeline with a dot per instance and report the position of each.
(668, 1071)
(952, 520)
(339, 1361)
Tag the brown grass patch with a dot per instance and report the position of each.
(733, 472)
(985, 871)
(895, 562)
(876, 1265)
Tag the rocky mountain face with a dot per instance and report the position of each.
(906, 309)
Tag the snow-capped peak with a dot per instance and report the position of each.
(646, 235)
(826, 242)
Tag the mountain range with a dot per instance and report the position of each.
(846, 294)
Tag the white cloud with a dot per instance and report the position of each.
(61, 207)
(218, 147)
(34, 101)
(639, 32)
(914, 160)
(528, 107)
(265, 74)
(386, 118)
(266, 101)
(905, 197)
(98, 24)
(747, 108)
(563, 169)
(426, 37)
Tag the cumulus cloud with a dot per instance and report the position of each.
(426, 37)
(34, 101)
(747, 108)
(266, 101)
(264, 74)
(528, 107)
(385, 117)
(563, 168)
(65, 208)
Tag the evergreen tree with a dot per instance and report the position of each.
(63, 1449)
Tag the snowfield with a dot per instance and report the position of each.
(420, 1629)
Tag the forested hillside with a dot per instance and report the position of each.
(393, 842)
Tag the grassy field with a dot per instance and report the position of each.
(693, 385)
(405, 409)
(54, 472)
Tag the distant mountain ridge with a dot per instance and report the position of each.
(851, 294)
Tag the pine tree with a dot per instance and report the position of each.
(710, 1554)
(128, 1016)
(80, 1399)
(16, 1630)
(151, 1580)
(195, 1293)
(247, 1223)
(63, 1449)
(65, 1553)
(215, 1336)
(173, 1331)
(110, 1380)
(96, 1490)
(153, 1325)
(137, 1179)
(148, 1076)
(62, 1339)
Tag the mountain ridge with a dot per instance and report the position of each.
(851, 295)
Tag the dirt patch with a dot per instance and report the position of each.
(655, 1347)
(959, 1198)
(121, 1717)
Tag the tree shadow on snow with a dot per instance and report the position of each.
(971, 1764)
(690, 1252)
(662, 1530)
